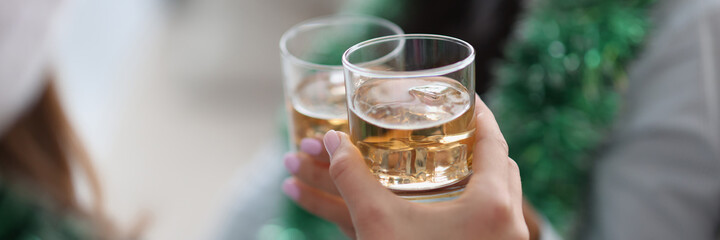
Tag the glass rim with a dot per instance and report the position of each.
(317, 22)
(456, 66)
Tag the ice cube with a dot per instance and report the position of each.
(367, 151)
(320, 97)
(420, 165)
(448, 158)
(387, 161)
(432, 94)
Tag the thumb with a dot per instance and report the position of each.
(350, 173)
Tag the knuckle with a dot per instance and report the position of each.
(502, 142)
(339, 166)
(500, 211)
(513, 165)
(495, 212)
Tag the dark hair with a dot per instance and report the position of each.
(486, 24)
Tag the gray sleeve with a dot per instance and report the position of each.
(659, 177)
(257, 202)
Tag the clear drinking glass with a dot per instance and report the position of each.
(311, 54)
(411, 105)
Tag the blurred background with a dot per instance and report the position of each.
(179, 103)
(172, 97)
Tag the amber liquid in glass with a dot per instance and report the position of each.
(318, 105)
(416, 135)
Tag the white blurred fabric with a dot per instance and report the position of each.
(25, 33)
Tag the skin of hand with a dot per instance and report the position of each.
(334, 183)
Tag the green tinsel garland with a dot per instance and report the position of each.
(25, 218)
(558, 92)
(556, 95)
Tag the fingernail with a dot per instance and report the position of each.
(292, 163)
(311, 146)
(332, 141)
(291, 189)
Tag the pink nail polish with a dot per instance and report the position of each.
(332, 141)
(292, 163)
(311, 146)
(291, 189)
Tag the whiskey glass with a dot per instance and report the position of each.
(311, 53)
(411, 113)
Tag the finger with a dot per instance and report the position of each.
(490, 155)
(515, 187)
(514, 182)
(311, 172)
(489, 124)
(326, 206)
(356, 184)
(314, 147)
